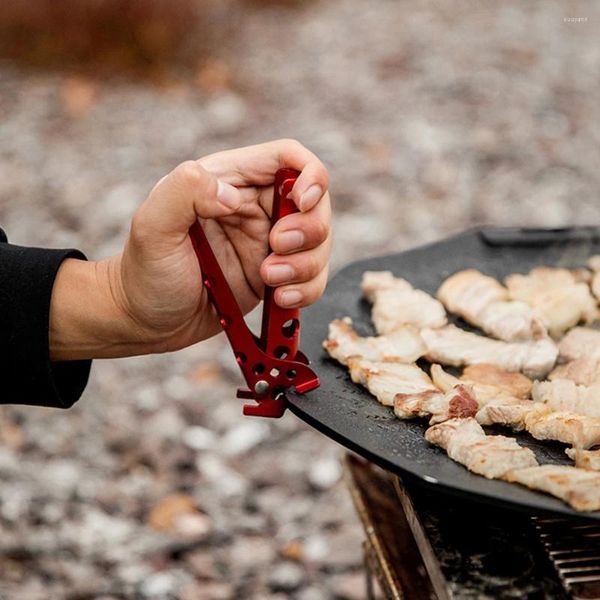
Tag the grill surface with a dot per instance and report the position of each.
(350, 415)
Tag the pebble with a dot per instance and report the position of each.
(244, 437)
(199, 438)
(324, 473)
(286, 577)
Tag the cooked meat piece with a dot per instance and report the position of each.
(468, 292)
(443, 380)
(387, 379)
(578, 487)
(580, 342)
(566, 395)
(396, 303)
(594, 265)
(483, 302)
(452, 346)
(483, 392)
(585, 459)
(515, 384)
(489, 455)
(543, 423)
(578, 431)
(440, 406)
(556, 296)
(404, 345)
(506, 411)
(582, 371)
(595, 284)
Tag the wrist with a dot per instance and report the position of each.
(87, 320)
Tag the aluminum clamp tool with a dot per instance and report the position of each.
(271, 363)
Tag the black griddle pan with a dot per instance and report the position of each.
(350, 415)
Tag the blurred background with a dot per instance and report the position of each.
(432, 117)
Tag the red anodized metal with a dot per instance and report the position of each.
(272, 363)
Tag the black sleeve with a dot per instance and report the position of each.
(27, 375)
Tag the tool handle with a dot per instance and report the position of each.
(272, 363)
(280, 330)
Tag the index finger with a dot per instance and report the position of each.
(256, 166)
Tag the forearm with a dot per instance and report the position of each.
(85, 321)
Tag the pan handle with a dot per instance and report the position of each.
(538, 236)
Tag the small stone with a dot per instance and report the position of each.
(286, 577)
(158, 585)
(199, 438)
(351, 586)
(315, 548)
(192, 525)
(163, 514)
(217, 590)
(244, 437)
(202, 565)
(293, 550)
(312, 593)
(325, 473)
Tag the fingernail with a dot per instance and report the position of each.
(227, 195)
(277, 274)
(290, 240)
(310, 197)
(290, 298)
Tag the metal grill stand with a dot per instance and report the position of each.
(422, 544)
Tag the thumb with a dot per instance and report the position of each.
(186, 193)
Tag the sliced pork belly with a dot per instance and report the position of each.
(580, 342)
(486, 383)
(566, 395)
(489, 455)
(582, 371)
(557, 297)
(509, 412)
(594, 265)
(578, 431)
(403, 345)
(387, 379)
(396, 303)
(483, 302)
(439, 406)
(578, 487)
(453, 346)
(514, 384)
(585, 459)
(543, 423)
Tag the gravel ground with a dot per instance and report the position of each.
(432, 118)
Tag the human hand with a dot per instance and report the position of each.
(155, 284)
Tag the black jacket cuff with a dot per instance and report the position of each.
(28, 376)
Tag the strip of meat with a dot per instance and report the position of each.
(515, 384)
(489, 455)
(453, 346)
(580, 342)
(440, 406)
(582, 371)
(556, 296)
(579, 431)
(387, 379)
(510, 412)
(543, 423)
(585, 459)
(501, 389)
(566, 395)
(483, 302)
(578, 487)
(396, 303)
(594, 264)
(403, 345)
